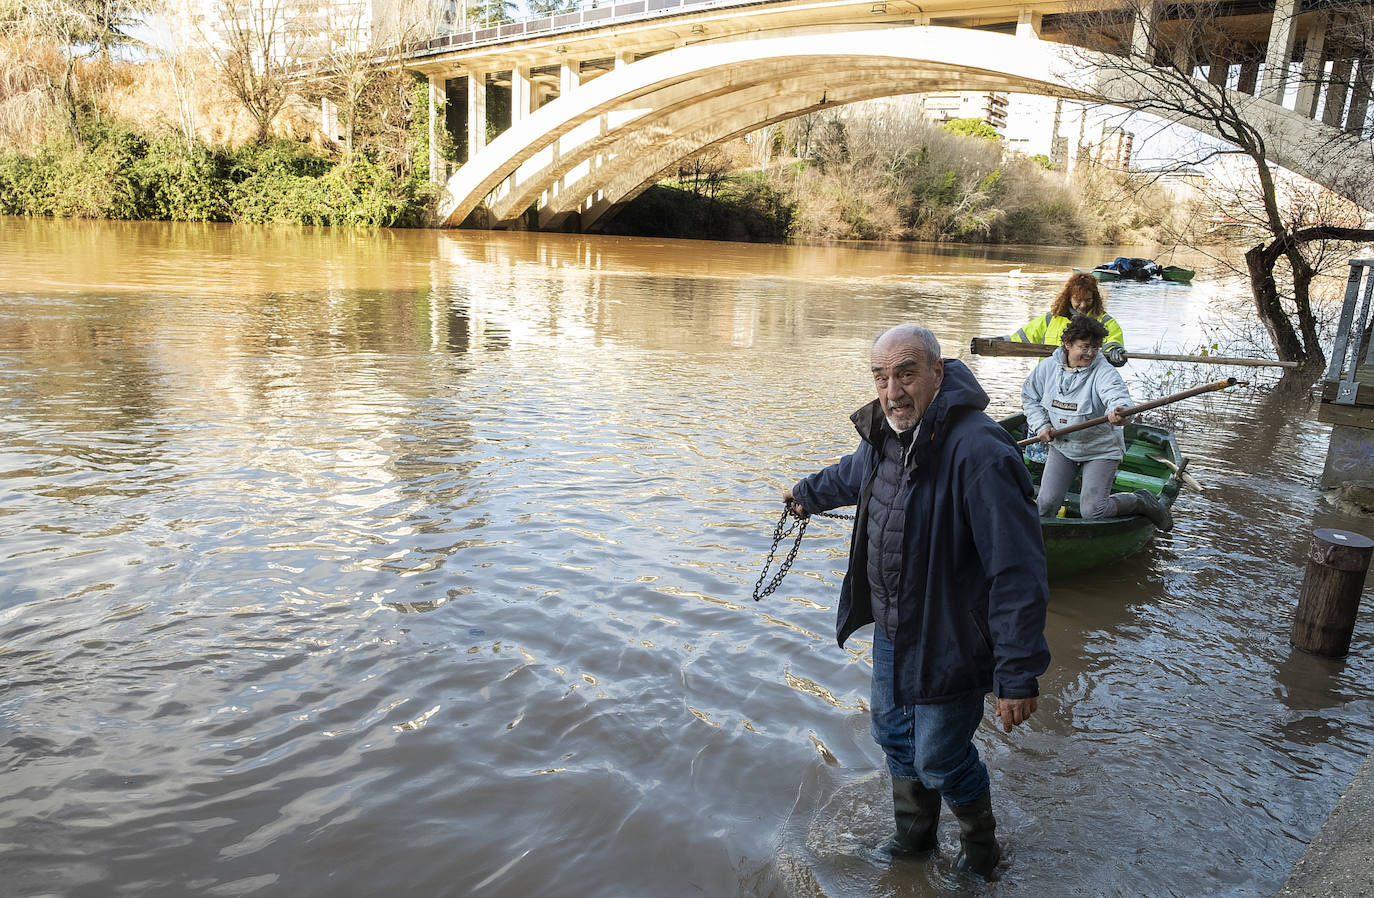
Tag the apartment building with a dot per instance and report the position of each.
(986, 106)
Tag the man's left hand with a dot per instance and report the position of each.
(1014, 711)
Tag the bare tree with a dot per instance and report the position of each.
(257, 44)
(350, 67)
(1189, 64)
(799, 132)
(362, 70)
(76, 30)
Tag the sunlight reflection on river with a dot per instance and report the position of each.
(334, 563)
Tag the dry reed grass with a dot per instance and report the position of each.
(28, 102)
(186, 93)
(182, 93)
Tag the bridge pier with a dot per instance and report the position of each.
(1028, 22)
(569, 77)
(1218, 70)
(1279, 53)
(1334, 113)
(438, 97)
(1359, 99)
(477, 113)
(521, 93)
(1314, 51)
(1144, 29)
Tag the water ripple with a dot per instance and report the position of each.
(445, 582)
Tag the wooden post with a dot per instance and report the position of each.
(1330, 597)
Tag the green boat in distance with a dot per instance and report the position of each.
(1073, 545)
(1103, 275)
(1176, 274)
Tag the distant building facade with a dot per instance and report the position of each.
(1067, 132)
(989, 107)
(287, 30)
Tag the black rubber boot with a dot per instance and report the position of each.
(917, 812)
(1144, 502)
(977, 836)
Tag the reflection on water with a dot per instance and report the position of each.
(335, 562)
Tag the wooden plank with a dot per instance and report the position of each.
(1349, 415)
(994, 347)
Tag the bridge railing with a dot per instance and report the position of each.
(610, 13)
(1352, 349)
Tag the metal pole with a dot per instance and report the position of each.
(1336, 368)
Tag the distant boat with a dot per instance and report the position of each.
(1125, 268)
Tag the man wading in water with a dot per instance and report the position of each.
(948, 563)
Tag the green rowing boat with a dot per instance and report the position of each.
(1072, 545)
(1101, 274)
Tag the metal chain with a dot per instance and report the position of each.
(779, 532)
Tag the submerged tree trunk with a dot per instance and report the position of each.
(1259, 262)
(1303, 274)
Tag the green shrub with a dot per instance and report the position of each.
(181, 183)
(115, 172)
(23, 185)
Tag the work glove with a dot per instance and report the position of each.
(1116, 356)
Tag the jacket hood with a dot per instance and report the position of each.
(959, 390)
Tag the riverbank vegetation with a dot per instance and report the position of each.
(111, 171)
(90, 134)
(875, 172)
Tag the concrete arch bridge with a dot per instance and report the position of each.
(589, 109)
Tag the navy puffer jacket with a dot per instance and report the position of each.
(971, 613)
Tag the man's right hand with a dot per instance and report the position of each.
(793, 504)
(1015, 711)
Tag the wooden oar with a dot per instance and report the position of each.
(995, 347)
(1180, 472)
(1143, 407)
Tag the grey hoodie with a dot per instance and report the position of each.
(1057, 397)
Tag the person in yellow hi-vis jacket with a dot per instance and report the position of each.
(1080, 296)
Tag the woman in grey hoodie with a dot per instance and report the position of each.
(1072, 385)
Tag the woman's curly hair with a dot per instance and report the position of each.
(1079, 284)
(1084, 327)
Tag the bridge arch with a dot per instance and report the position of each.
(602, 144)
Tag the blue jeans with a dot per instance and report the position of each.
(930, 743)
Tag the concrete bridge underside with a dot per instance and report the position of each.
(598, 147)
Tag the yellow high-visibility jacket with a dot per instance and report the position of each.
(1048, 328)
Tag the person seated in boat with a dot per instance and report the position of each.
(1080, 296)
(1073, 385)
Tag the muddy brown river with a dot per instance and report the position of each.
(418, 562)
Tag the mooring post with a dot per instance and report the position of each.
(1330, 597)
